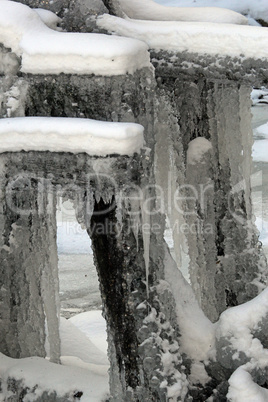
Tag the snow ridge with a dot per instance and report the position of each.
(193, 37)
(150, 10)
(60, 134)
(46, 51)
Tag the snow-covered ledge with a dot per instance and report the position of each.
(57, 134)
(150, 10)
(45, 51)
(193, 37)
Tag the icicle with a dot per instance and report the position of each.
(119, 210)
(146, 233)
(50, 284)
(133, 205)
(89, 206)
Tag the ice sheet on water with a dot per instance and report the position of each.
(72, 239)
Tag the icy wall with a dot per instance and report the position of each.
(191, 109)
(224, 252)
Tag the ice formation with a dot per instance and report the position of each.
(190, 125)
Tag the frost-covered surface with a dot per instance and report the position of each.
(48, 17)
(197, 149)
(244, 389)
(87, 369)
(195, 37)
(76, 343)
(257, 9)
(93, 325)
(238, 325)
(197, 332)
(41, 376)
(45, 51)
(150, 10)
(70, 135)
(242, 338)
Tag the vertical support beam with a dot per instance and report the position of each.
(220, 112)
(121, 275)
(200, 217)
(240, 274)
(28, 249)
(142, 330)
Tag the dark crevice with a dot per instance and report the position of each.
(110, 264)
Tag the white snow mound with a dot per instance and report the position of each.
(193, 37)
(52, 377)
(257, 9)
(149, 10)
(197, 150)
(60, 134)
(46, 51)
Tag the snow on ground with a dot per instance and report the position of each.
(260, 151)
(60, 134)
(72, 239)
(257, 9)
(84, 366)
(150, 10)
(262, 130)
(259, 96)
(195, 37)
(46, 376)
(93, 325)
(45, 51)
(75, 342)
(260, 147)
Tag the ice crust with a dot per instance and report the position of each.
(57, 134)
(45, 51)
